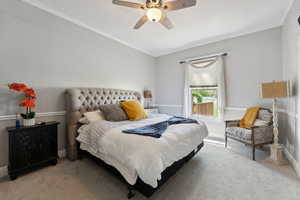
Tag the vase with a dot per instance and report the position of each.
(29, 122)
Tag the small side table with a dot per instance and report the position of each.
(31, 148)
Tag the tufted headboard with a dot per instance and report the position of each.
(81, 100)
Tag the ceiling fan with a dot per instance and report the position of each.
(156, 10)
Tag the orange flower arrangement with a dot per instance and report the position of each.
(30, 92)
(17, 86)
(28, 102)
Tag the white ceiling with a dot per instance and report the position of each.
(208, 21)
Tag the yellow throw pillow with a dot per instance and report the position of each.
(134, 110)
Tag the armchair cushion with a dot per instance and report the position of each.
(242, 134)
(262, 134)
(265, 115)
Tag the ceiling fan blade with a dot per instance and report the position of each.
(179, 4)
(141, 22)
(128, 4)
(165, 21)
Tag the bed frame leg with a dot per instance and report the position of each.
(130, 192)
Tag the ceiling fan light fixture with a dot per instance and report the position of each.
(156, 10)
(154, 14)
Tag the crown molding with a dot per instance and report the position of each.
(79, 23)
(287, 11)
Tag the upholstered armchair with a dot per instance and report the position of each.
(259, 134)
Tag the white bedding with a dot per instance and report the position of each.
(140, 156)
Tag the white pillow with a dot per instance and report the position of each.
(259, 122)
(91, 117)
(83, 120)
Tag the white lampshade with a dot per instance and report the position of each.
(154, 14)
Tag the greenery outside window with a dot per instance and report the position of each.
(204, 100)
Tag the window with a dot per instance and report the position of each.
(204, 88)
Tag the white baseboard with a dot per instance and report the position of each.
(4, 172)
(292, 161)
(62, 153)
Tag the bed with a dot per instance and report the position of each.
(143, 163)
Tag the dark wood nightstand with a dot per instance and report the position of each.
(31, 147)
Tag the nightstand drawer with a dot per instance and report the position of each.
(25, 149)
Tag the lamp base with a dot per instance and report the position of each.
(277, 156)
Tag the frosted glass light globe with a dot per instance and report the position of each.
(154, 14)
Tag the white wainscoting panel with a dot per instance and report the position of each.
(292, 161)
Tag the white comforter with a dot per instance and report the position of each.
(142, 156)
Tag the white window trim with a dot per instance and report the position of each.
(221, 86)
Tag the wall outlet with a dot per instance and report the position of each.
(290, 147)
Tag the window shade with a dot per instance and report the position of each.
(204, 74)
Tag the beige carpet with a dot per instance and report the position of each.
(214, 174)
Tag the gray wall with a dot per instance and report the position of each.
(291, 64)
(251, 59)
(51, 54)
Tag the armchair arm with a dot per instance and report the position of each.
(232, 123)
(262, 134)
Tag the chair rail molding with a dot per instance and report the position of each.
(291, 114)
(169, 105)
(41, 114)
(235, 108)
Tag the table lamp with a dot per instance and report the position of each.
(274, 90)
(148, 97)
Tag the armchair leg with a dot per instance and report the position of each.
(226, 140)
(253, 152)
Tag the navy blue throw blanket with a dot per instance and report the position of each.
(156, 130)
